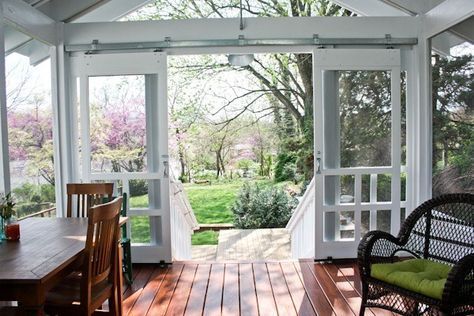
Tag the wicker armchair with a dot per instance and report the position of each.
(440, 230)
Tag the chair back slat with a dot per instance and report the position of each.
(442, 229)
(101, 242)
(86, 195)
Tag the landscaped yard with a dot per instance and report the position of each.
(211, 205)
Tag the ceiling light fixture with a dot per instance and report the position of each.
(240, 60)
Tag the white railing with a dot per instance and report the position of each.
(183, 221)
(302, 224)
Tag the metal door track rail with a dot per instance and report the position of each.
(240, 42)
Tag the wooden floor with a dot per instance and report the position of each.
(263, 288)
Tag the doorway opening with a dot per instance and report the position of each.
(241, 142)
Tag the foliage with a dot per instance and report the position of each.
(257, 207)
(28, 192)
(7, 206)
(281, 87)
(138, 187)
(285, 167)
(453, 131)
(208, 237)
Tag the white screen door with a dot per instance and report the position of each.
(121, 106)
(357, 147)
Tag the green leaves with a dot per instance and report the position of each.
(257, 207)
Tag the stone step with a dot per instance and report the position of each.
(254, 244)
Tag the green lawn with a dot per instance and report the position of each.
(211, 205)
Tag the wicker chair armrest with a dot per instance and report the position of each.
(459, 287)
(376, 247)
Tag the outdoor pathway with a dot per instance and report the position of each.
(204, 252)
(253, 244)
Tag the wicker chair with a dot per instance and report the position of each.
(440, 230)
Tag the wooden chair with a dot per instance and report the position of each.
(98, 281)
(86, 195)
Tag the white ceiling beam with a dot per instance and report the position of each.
(29, 21)
(370, 8)
(255, 28)
(14, 39)
(443, 42)
(446, 15)
(112, 10)
(413, 7)
(35, 51)
(465, 30)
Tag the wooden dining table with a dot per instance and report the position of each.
(48, 250)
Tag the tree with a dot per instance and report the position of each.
(453, 124)
(285, 79)
(118, 124)
(31, 137)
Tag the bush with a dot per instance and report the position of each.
(257, 207)
(28, 192)
(138, 187)
(285, 168)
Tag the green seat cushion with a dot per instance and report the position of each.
(418, 275)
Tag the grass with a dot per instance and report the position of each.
(211, 205)
(208, 237)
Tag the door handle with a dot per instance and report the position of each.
(166, 170)
(318, 162)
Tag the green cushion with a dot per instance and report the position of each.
(418, 275)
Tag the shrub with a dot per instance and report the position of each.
(285, 168)
(138, 187)
(28, 192)
(257, 207)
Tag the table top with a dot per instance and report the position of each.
(45, 247)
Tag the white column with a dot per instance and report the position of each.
(423, 124)
(4, 156)
(64, 131)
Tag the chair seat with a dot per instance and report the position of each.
(68, 292)
(418, 275)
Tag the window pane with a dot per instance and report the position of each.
(365, 118)
(117, 123)
(30, 134)
(140, 229)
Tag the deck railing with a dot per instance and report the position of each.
(183, 221)
(43, 213)
(301, 225)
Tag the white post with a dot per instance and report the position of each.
(63, 124)
(4, 156)
(423, 126)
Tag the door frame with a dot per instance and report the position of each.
(354, 59)
(153, 65)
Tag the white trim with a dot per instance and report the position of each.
(360, 59)
(30, 21)
(396, 148)
(370, 7)
(423, 126)
(445, 15)
(153, 66)
(4, 155)
(255, 28)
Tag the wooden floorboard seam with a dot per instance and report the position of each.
(286, 288)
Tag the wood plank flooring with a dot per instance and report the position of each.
(258, 288)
